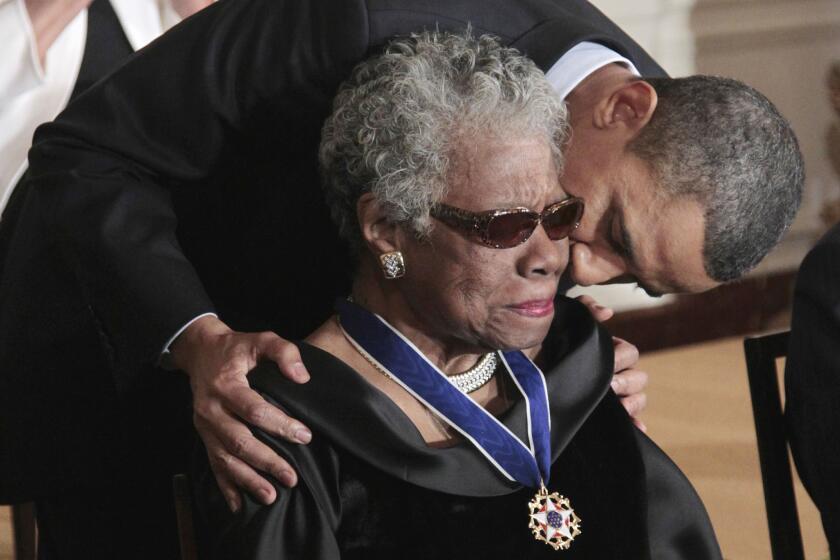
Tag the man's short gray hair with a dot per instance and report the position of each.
(725, 144)
(400, 115)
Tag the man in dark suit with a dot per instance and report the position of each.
(812, 381)
(175, 207)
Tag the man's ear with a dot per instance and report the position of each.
(628, 108)
(379, 234)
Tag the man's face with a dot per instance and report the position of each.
(631, 231)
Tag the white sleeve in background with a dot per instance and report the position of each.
(31, 95)
(141, 20)
(20, 69)
(168, 16)
(144, 20)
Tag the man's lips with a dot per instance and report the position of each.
(534, 307)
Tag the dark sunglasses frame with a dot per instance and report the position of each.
(477, 224)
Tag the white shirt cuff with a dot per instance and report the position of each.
(166, 356)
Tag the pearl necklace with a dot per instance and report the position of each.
(471, 380)
(478, 375)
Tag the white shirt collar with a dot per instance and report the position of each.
(581, 61)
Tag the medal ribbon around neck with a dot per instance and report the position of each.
(551, 518)
(529, 464)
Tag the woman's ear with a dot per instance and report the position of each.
(380, 235)
(628, 108)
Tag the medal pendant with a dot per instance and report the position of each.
(552, 519)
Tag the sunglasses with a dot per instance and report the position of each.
(503, 229)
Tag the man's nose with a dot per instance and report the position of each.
(589, 267)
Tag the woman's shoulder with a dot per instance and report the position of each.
(333, 390)
(342, 409)
(574, 331)
(578, 365)
(678, 523)
(338, 405)
(625, 487)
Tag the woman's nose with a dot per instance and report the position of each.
(544, 256)
(590, 267)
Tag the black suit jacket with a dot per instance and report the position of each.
(187, 182)
(812, 380)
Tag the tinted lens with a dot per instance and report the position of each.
(561, 221)
(509, 230)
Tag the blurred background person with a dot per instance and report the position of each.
(812, 381)
(53, 50)
(812, 370)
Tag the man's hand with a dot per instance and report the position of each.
(628, 382)
(217, 360)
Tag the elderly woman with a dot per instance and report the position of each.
(436, 434)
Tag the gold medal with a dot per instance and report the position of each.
(552, 519)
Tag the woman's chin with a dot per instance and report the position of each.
(524, 332)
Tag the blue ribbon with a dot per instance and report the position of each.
(529, 464)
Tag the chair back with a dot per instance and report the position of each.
(184, 512)
(761, 353)
(24, 530)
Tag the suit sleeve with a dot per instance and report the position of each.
(177, 113)
(812, 381)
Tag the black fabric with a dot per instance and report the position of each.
(117, 501)
(187, 182)
(9, 218)
(84, 524)
(371, 488)
(812, 381)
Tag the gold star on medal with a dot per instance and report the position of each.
(552, 520)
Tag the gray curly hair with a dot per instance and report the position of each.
(399, 117)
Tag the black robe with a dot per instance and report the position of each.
(369, 486)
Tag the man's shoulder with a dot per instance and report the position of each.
(510, 21)
(822, 263)
(817, 292)
(831, 237)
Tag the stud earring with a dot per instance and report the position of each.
(393, 264)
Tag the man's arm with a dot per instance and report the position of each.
(178, 113)
(103, 174)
